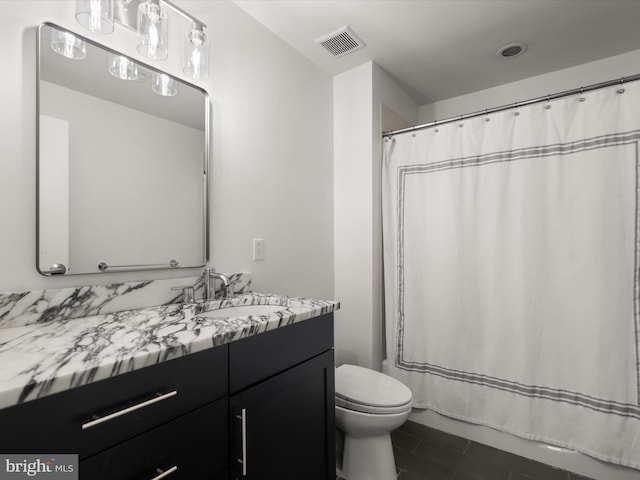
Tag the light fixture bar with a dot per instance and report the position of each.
(149, 20)
(126, 13)
(177, 9)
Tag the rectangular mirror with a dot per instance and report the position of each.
(123, 155)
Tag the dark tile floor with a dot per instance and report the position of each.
(423, 453)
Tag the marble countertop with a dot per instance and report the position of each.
(39, 360)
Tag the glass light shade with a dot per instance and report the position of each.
(163, 84)
(196, 53)
(153, 30)
(96, 15)
(68, 45)
(125, 69)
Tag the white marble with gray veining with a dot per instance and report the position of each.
(42, 359)
(42, 306)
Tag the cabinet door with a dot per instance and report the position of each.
(284, 427)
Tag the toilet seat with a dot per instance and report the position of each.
(365, 390)
(364, 408)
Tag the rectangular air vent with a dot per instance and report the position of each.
(341, 42)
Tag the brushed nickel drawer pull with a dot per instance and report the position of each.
(243, 460)
(130, 409)
(165, 473)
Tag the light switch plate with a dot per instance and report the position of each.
(258, 249)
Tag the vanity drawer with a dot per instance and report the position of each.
(256, 358)
(88, 419)
(191, 447)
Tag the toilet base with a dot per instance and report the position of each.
(368, 458)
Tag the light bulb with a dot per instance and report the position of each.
(95, 15)
(68, 45)
(196, 53)
(125, 69)
(163, 84)
(153, 30)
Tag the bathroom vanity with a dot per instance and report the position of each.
(167, 392)
(246, 397)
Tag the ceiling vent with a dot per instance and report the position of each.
(341, 42)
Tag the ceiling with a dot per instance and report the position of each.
(438, 49)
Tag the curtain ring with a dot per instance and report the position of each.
(516, 113)
(435, 124)
(461, 124)
(581, 99)
(548, 105)
(621, 89)
(486, 115)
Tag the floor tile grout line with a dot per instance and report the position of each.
(413, 450)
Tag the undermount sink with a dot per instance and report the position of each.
(243, 311)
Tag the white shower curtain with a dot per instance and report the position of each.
(511, 250)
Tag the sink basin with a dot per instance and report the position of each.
(243, 311)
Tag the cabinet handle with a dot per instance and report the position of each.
(243, 460)
(130, 409)
(164, 474)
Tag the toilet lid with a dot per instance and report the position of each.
(362, 386)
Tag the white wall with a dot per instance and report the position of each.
(534, 87)
(353, 241)
(359, 96)
(271, 149)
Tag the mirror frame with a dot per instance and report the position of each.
(205, 174)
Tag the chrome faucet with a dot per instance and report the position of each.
(210, 276)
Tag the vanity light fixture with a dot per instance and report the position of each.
(196, 52)
(162, 84)
(96, 15)
(68, 45)
(150, 19)
(125, 69)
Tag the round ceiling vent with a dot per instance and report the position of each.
(513, 50)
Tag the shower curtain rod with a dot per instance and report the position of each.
(546, 98)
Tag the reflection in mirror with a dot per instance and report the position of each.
(122, 162)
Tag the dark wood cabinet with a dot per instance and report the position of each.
(182, 418)
(282, 388)
(283, 427)
(256, 358)
(146, 398)
(191, 447)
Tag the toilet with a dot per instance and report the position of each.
(369, 405)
